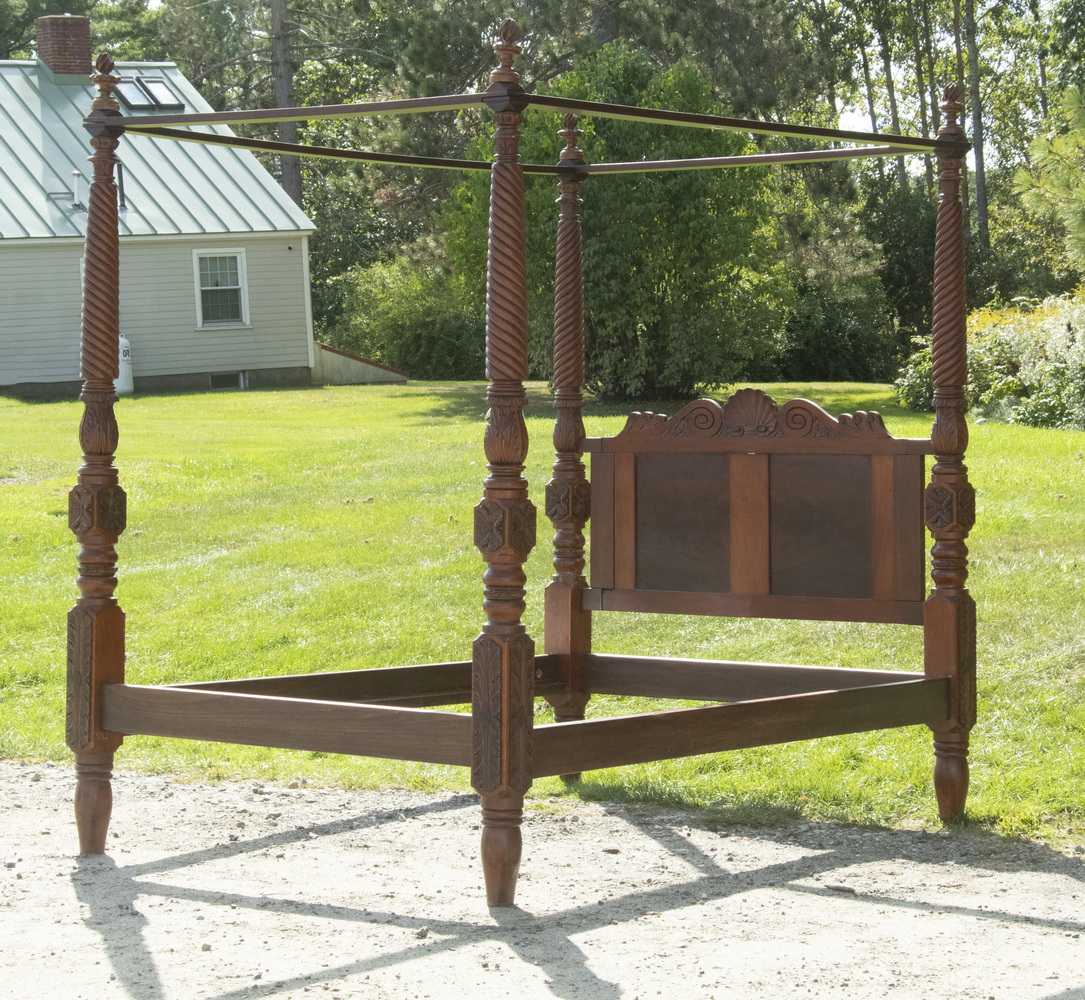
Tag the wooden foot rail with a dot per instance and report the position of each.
(637, 739)
(290, 723)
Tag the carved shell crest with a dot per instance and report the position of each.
(752, 413)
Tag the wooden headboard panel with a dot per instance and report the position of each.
(753, 510)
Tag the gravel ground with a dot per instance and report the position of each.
(245, 890)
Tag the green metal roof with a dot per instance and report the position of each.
(170, 187)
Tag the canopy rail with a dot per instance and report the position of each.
(406, 106)
(747, 160)
(450, 163)
(331, 152)
(885, 144)
(690, 120)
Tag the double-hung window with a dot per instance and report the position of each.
(221, 293)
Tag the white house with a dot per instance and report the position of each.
(214, 255)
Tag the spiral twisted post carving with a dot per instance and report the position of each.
(568, 277)
(568, 345)
(568, 494)
(97, 504)
(948, 346)
(949, 618)
(503, 656)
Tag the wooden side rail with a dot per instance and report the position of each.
(720, 680)
(423, 685)
(565, 747)
(679, 602)
(290, 723)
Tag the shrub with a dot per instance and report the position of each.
(1026, 364)
(413, 313)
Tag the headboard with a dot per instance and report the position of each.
(747, 509)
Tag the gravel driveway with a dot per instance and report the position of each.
(244, 890)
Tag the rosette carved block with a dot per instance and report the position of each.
(950, 507)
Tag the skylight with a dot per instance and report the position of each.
(147, 93)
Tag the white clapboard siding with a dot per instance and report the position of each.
(40, 303)
(39, 306)
(158, 308)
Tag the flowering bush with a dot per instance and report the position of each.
(1026, 364)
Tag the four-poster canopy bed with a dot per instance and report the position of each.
(739, 509)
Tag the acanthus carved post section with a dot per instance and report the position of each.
(950, 502)
(568, 494)
(96, 505)
(503, 656)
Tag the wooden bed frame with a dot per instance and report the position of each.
(740, 508)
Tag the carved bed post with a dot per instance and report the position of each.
(503, 692)
(950, 613)
(96, 506)
(568, 494)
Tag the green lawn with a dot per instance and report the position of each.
(325, 529)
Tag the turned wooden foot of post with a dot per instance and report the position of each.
(573, 776)
(501, 847)
(950, 774)
(93, 798)
(569, 708)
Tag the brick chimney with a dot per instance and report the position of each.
(64, 44)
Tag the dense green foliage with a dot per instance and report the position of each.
(704, 297)
(816, 271)
(413, 313)
(1054, 185)
(1026, 364)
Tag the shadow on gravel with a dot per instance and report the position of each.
(547, 942)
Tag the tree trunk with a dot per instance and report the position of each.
(921, 88)
(1041, 55)
(869, 84)
(932, 76)
(980, 184)
(282, 75)
(604, 21)
(886, 45)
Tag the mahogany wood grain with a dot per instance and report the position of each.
(290, 723)
(421, 686)
(636, 739)
(950, 500)
(749, 524)
(720, 680)
(502, 846)
(820, 526)
(625, 521)
(503, 655)
(770, 446)
(601, 550)
(897, 511)
(839, 609)
(352, 685)
(568, 494)
(682, 518)
(97, 505)
(740, 508)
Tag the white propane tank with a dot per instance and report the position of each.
(124, 385)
